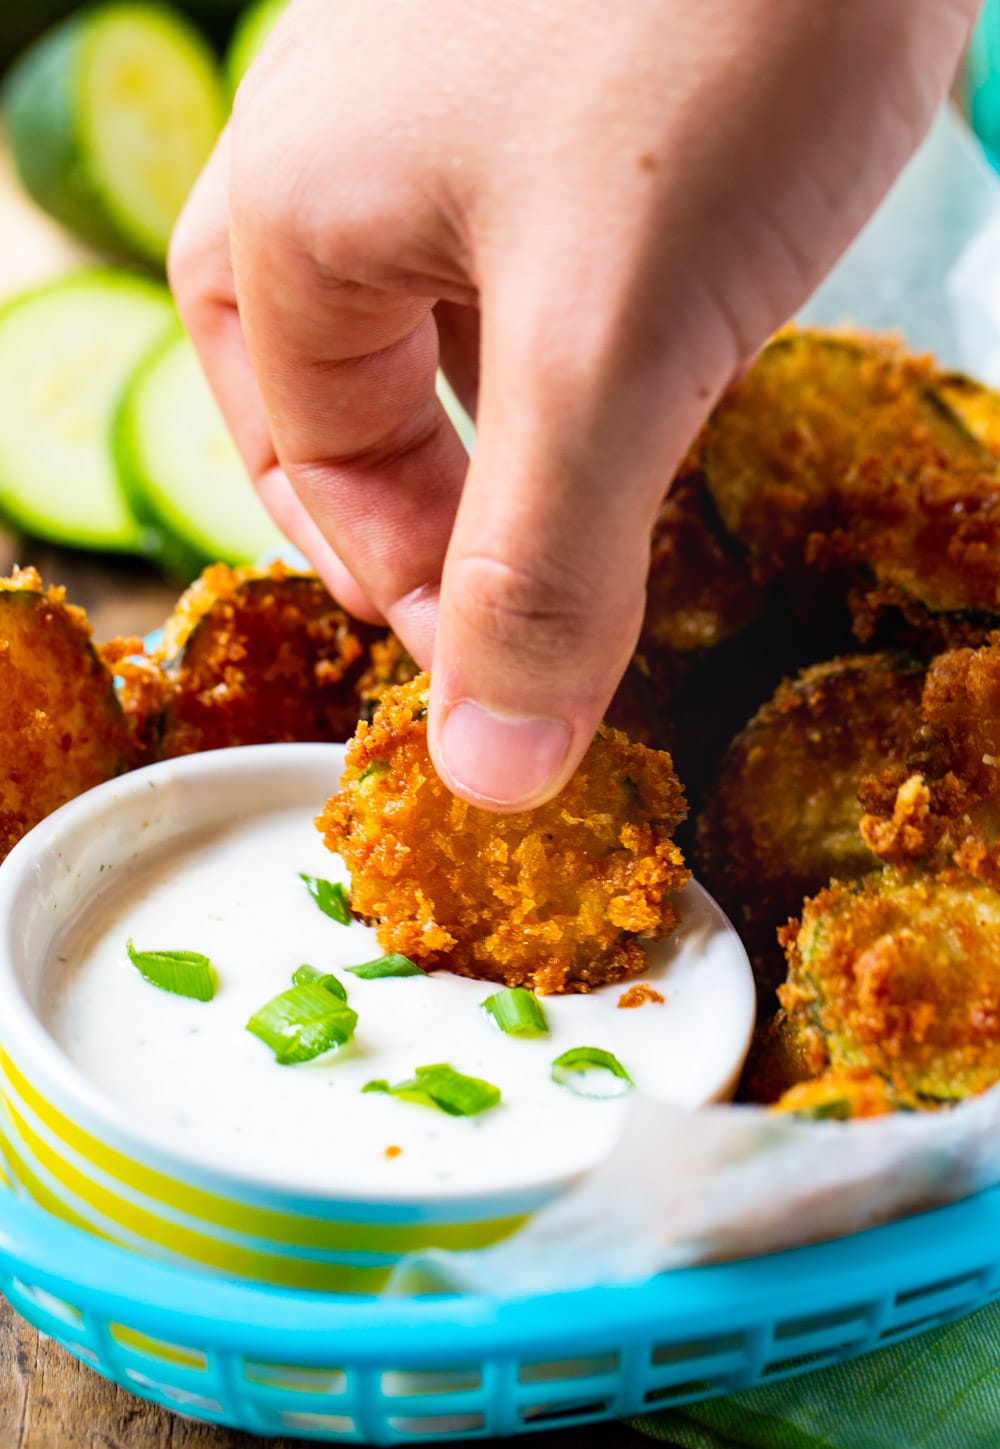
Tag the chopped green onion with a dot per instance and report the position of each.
(517, 1011)
(591, 1072)
(374, 770)
(184, 973)
(303, 1023)
(303, 974)
(386, 966)
(442, 1087)
(330, 896)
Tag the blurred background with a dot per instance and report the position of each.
(117, 476)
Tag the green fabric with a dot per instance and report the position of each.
(940, 1390)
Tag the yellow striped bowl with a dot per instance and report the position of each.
(81, 1157)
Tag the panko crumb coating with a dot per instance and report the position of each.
(845, 1096)
(555, 898)
(896, 975)
(249, 656)
(61, 727)
(941, 805)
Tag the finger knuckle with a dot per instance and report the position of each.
(541, 608)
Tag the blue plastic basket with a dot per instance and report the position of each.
(398, 1370)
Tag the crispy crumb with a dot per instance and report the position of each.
(639, 995)
(393, 1151)
(554, 898)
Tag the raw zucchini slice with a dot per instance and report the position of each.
(111, 116)
(61, 727)
(66, 350)
(180, 469)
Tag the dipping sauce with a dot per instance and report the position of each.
(198, 1081)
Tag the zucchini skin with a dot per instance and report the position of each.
(18, 502)
(42, 128)
(57, 88)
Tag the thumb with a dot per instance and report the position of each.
(543, 587)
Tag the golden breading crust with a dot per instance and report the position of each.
(840, 1097)
(783, 817)
(941, 804)
(897, 975)
(555, 898)
(841, 453)
(61, 727)
(249, 657)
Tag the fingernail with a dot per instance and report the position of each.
(507, 760)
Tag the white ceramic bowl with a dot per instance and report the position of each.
(96, 1148)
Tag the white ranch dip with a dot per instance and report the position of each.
(207, 1088)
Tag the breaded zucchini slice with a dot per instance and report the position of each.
(779, 1059)
(941, 804)
(842, 453)
(898, 974)
(812, 408)
(701, 588)
(388, 664)
(977, 405)
(842, 1097)
(61, 726)
(783, 817)
(256, 657)
(555, 898)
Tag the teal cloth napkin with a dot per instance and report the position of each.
(940, 1390)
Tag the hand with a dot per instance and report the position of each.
(594, 214)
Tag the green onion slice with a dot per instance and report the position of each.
(303, 1023)
(591, 1072)
(330, 896)
(386, 966)
(374, 771)
(517, 1011)
(303, 974)
(184, 973)
(441, 1086)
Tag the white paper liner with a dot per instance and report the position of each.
(687, 1187)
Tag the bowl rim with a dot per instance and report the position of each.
(67, 1088)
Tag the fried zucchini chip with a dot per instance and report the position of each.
(778, 1060)
(783, 818)
(389, 664)
(841, 453)
(976, 405)
(941, 804)
(61, 728)
(701, 589)
(899, 975)
(842, 1097)
(555, 898)
(255, 657)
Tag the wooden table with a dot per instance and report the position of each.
(47, 1399)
